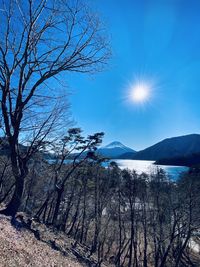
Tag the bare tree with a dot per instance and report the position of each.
(39, 42)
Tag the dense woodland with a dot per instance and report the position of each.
(124, 218)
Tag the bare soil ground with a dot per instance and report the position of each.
(19, 247)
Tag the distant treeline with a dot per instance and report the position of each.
(189, 160)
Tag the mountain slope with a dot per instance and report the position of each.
(191, 160)
(169, 148)
(114, 150)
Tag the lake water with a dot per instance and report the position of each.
(148, 167)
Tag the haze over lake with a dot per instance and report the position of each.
(149, 167)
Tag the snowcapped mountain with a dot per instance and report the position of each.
(114, 150)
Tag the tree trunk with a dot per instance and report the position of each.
(57, 206)
(14, 204)
(20, 171)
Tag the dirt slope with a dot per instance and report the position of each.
(19, 247)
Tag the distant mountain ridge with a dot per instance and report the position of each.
(181, 150)
(180, 146)
(114, 150)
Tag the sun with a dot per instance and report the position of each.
(140, 92)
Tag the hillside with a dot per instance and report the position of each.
(21, 248)
(189, 160)
(38, 246)
(180, 146)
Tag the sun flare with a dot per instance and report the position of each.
(140, 92)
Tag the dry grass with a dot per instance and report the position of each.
(21, 248)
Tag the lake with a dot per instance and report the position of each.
(148, 167)
(140, 166)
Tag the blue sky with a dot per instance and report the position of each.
(158, 41)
